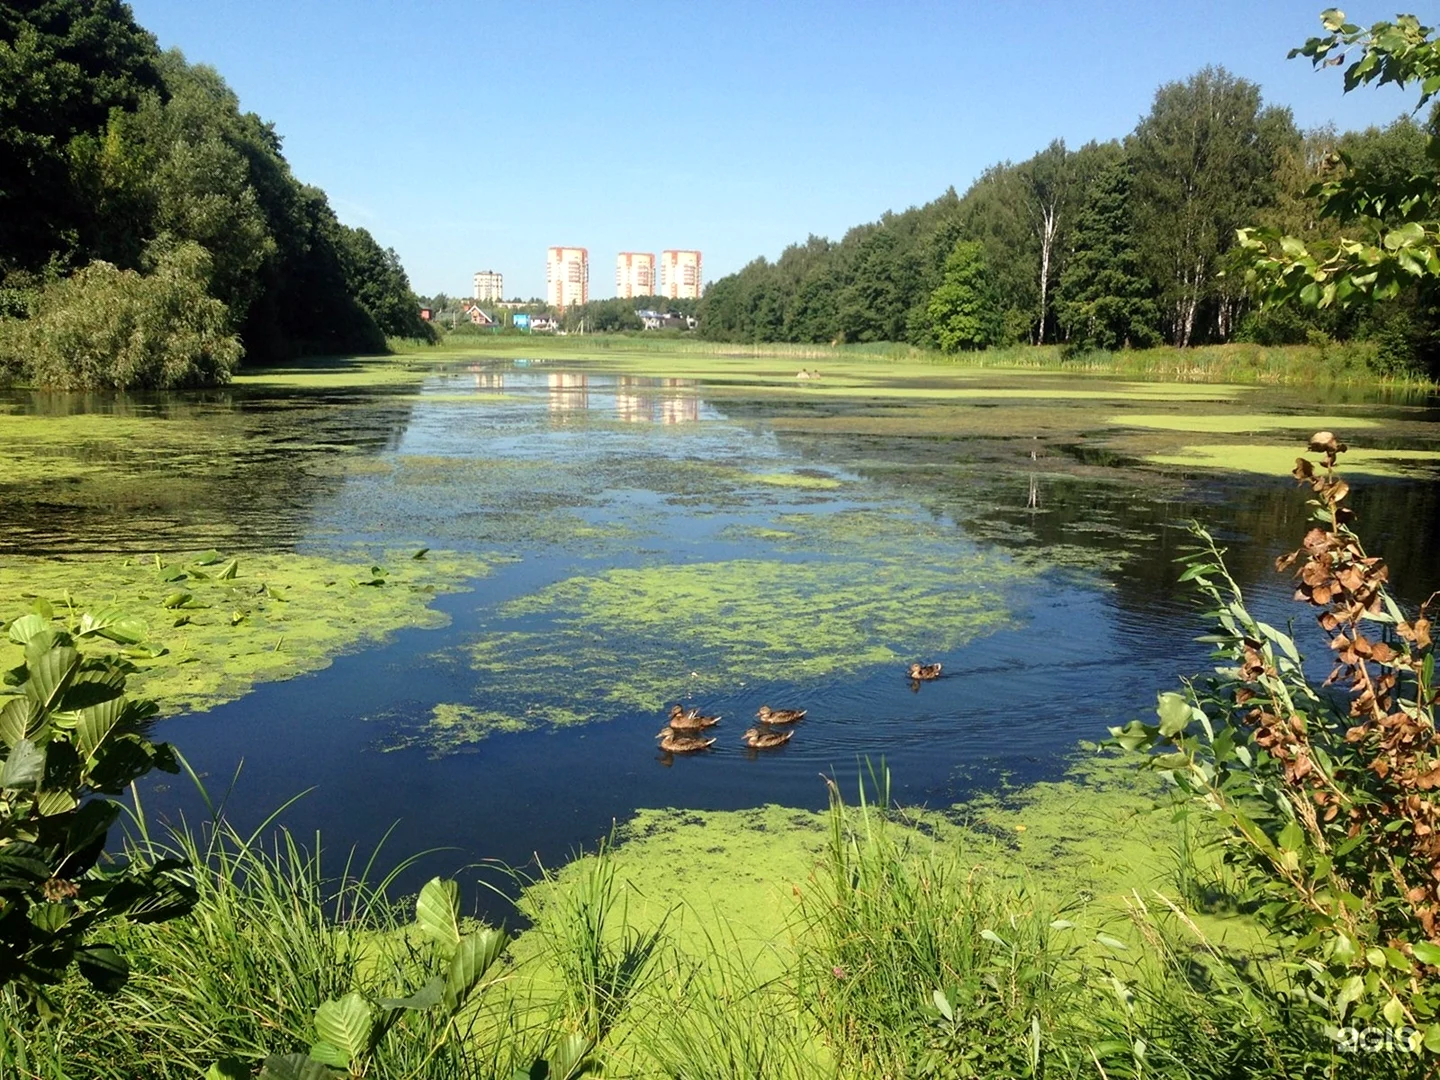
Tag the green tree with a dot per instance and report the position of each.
(962, 310)
(1105, 300)
(1204, 160)
(107, 328)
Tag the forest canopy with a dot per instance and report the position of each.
(115, 155)
(1126, 243)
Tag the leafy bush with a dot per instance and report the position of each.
(106, 328)
(1327, 794)
(71, 736)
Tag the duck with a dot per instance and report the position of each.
(673, 743)
(924, 672)
(768, 715)
(766, 740)
(690, 719)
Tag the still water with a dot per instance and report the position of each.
(714, 542)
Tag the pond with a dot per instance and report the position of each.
(718, 534)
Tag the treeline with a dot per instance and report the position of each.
(1127, 243)
(133, 188)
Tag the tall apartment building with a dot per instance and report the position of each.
(681, 275)
(635, 274)
(567, 276)
(489, 285)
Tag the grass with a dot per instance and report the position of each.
(912, 952)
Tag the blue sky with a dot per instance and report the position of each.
(473, 135)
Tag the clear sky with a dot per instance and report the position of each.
(473, 135)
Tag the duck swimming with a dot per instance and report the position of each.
(768, 715)
(673, 743)
(924, 672)
(690, 719)
(766, 740)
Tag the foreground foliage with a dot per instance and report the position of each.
(1326, 795)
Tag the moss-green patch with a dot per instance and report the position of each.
(452, 727)
(636, 638)
(279, 615)
(339, 373)
(796, 480)
(1279, 460)
(1240, 423)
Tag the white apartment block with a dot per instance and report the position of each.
(635, 274)
(489, 285)
(681, 275)
(567, 276)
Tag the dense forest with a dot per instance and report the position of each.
(1130, 242)
(151, 232)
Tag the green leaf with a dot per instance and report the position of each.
(1426, 953)
(1112, 943)
(104, 968)
(19, 718)
(50, 674)
(295, 1067)
(346, 1024)
(26, 627)
(327, 1054)
(426, 997)
(177, 599)
(943, 1004)
(96, 722)
(438, 910)
(420, 554)
(228, 571)
(208, 558)
(568, 1060)
(24, 767)
(116, 624)
(1292, 837)
(1174, 713)
(475, 953)
(1394, 1012)
(228, 1069)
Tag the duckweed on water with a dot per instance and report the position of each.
(279, 615)
(1240, 423)
(1279, 460)
(632, 639)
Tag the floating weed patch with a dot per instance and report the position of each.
(1240, 423)
(1279, 460)
(797, 480)
(453, 727)
(632, 639)
(220, 626)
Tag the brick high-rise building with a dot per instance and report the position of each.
(567, 276)
(489, 285)
(681, 275)
(635, 274)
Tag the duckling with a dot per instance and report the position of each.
(766, 740)
(924, 672)
(768, 715)
(673, 743)
(690, 719)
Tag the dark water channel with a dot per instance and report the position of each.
(561, 476)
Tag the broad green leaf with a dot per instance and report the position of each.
(103, 967)
(346, 1024)
(115, 623)
(55, 801)
(208, 558)
(50, 674)
(438, 911)
(177, 599)
(1394, 1012)
(1292, 837)
(1112, 943)
(295, 1067)
(426, 997)
(19, 718)
(327, 1054)
(24, 767)
(228, 1069)
(1174, 713)
(228, 571)
(994, 938)
(475, 953)
(26, 627)
(568, 1060)
(96, 722)
(1426, 952)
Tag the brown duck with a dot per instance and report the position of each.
(766, 740)
(673, 743)
(768, 715)
(690, 719)
(924, 672)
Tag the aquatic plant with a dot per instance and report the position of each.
(1325, 794)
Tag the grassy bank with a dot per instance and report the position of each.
(1009, 938)
(1339, 364)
